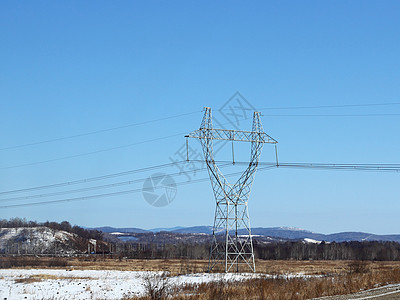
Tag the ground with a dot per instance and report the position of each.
(100, 278)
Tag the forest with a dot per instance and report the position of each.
(293, 250)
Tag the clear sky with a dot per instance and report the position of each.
(75, 67)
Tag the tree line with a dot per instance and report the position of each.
(296, 250)
(354, 250)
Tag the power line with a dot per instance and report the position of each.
(374, 167)
(266, 166)
(111, 185)
(194, 112)
(97, 131)
(183, 133)
(333, 115)
(95, 152)
(377, 167)
(114, 193)
(91, 153)
(331, 106)
(345, 167)
(61, 184)
(72, 199)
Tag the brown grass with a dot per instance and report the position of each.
(31, 261)
(186, 266)
(42, 277)
(27, 280)
(283, 289)
(175, 266)
(296, 288)
(339, 278)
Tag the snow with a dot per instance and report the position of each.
(246, 235)
(311, 241)
(366, 238)
(97, 284)
(307, 240)
(293, 229)
(75, 284)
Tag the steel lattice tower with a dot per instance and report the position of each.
(231, 213)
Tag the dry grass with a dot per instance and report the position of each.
(274, 267)
(174, 267)
(296, 289)
(55, 277)
(317, 267)
(186, 266)
(282, 289)
(339, 278)
(27, 280)
(43, 277)
(31, 261)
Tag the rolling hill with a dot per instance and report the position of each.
(274, 232)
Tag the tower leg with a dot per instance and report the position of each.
(232, 244)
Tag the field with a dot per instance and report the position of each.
(100, 278)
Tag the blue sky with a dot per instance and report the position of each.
(69, 68)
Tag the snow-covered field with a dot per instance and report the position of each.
(88, 284)
(92, 284)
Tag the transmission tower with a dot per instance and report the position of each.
(232, 243)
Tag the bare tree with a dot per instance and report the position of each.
(157, 287)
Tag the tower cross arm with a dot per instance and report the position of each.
(232, 135)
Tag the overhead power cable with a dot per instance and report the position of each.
(376, 167)
(371, 167)
(331, 106)
(265, 166)
(120, 193)
(90, 153)
(96, 152)
(98, 131)
(183, 133)
(68, 183)
(110, 185)
(332, 115)
(194, 112)
(345, 167)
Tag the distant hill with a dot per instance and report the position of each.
(361, 236)
(285, 232)
(297, 234)
(109, 229)
(274, 232)
(166, 229)
(195, 229)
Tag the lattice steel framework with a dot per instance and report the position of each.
(232, 243)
